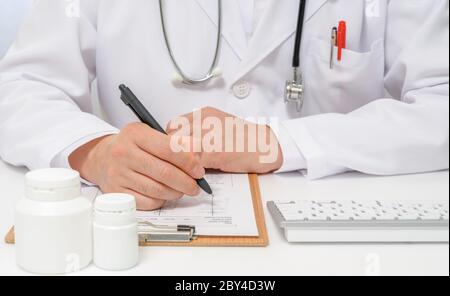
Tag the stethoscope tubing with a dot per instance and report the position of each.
(298, 34)
(186, 79)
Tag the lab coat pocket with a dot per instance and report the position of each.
(349, 84)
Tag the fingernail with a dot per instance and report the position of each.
(199, 172)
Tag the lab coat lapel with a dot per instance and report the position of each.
(232, 30)
(278, 24)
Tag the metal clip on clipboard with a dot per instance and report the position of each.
(151, 233)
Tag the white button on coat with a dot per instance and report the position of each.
(242, 89)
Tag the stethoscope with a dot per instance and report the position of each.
(294, 88)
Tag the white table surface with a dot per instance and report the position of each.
(280, 258)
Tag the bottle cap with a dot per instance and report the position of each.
(115, 203)
(53, 185)
(115, 209)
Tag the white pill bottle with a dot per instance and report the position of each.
(53, 227)
(116, 239)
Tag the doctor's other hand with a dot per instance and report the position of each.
(226, 142)
(139, 161)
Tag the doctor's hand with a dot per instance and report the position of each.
(227, 143)
(139, 161)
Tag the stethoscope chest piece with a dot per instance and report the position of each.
(294, 91)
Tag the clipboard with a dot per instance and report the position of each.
(217, 241)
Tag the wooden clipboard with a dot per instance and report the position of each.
(219, 241)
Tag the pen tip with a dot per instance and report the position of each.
(205, 186)
(208, 190)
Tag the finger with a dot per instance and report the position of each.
(151, 188)
(145, 203)
(164, 173)
(176, 124)
(157, 144)
(212, 161)
(182, 123)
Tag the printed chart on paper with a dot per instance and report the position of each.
(229, 212)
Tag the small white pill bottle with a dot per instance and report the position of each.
(116, 239)
(53, 227)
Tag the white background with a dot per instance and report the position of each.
(11, 14)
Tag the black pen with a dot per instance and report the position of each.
(129, 98)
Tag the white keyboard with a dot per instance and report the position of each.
(353, 221)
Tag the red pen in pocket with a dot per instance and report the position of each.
(341, 38)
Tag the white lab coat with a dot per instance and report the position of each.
(383, 110)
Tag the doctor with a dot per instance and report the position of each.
(383, 109)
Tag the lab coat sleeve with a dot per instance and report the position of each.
(45, 82)
(293, 159)
(407, 134)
